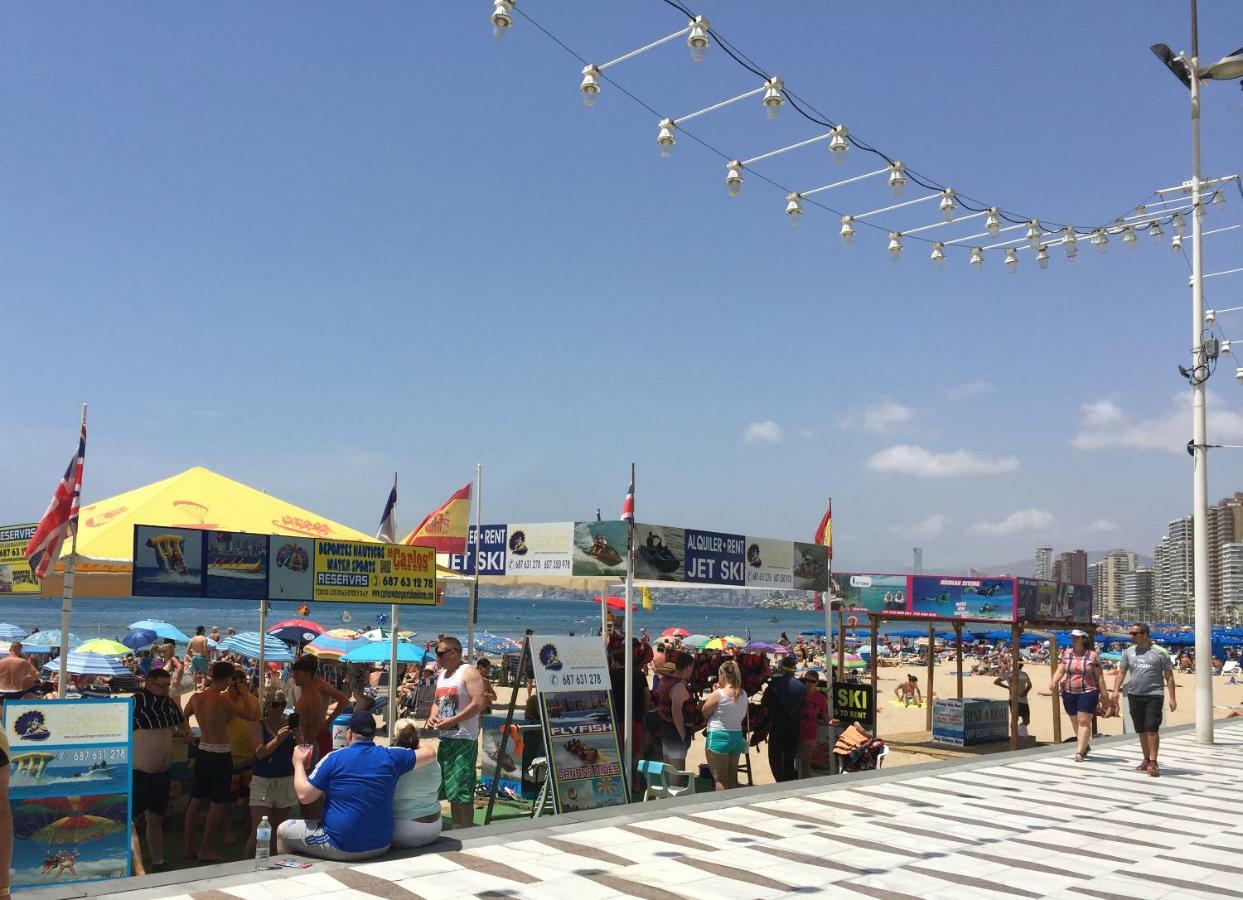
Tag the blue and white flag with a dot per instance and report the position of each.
(388, 521)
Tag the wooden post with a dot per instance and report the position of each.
(841, 645)
(958, 640)
(875, 622)
(932, 646)
(1057, 706)
(1016, 632)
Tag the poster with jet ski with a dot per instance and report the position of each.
(659, 552)
(600, 548)
(811, 567)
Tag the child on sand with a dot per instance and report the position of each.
(908, 691)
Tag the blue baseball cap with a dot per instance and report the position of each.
(362, 724)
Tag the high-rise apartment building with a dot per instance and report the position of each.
(1074, 567)
(1057, 570)
(1113, 569)
(1231, 583)
(1044, 563)
(1225, 526)
(1137, 594)
(1094, 579)
(1177, 567)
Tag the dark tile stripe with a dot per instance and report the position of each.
(1215, 866)
(1188, 885)
(213, 895)
(833, 804)
(1217, 847)
(923, 832)
(940, 790)
(583, 850)
(818, 821)
(978, 824)
(1099, 835)
(735, 874)
(981, 784)
(1092, 853)
(487, 867)
(727, 826)
(1014, 812)
(809, 860)
(1149, 827)
(1029, 865)
(633, 888)
(969, 881)
(667, 838)
(878, 893)
(904, 800)
(1102, 895)
(370, 884)
(874, 845)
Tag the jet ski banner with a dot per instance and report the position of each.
(954, 597)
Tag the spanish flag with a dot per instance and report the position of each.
(445, 527)
(824, 534)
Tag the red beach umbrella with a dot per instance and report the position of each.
(675, 632)
(617, 603)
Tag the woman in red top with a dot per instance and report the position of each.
(815, 711)
(1082, 683)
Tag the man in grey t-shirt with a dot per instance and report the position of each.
(1151, 670)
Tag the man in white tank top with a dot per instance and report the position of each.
(460, 698)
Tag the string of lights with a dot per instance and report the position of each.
(1040, 234)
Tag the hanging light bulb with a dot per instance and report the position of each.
(977, 258)
(895, 246)
(1012, 259)
(590, 85)
(938, 255)
(993, 223)
(1154, 229)
(773, 97)
(1033, 233)
(1219, 197)
(666, 138)
(1176, 243)
(501, 18)
(1070, 241)
(697, 40)
(838, 144)
(794, 208)
(1180, 224)
(947, 204)
(1128, 237)
(848, 231)
(897, 179)
(1042, 256)
(733, 177)
(1100, 241)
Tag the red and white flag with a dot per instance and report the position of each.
(61, 517)
(627, 509)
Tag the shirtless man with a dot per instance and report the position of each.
(213, 763)
(157, 718)
(17, 674)
(315, 696)
(198, 650)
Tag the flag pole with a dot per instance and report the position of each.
(66, 602)
(828, 613)
(627, 728)
(472, 615)
(391, 713)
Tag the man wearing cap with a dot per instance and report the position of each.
(1151, 671)
(356, 784)
(784, 699)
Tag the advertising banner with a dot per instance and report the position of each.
(168, 562)
(811, 567)
(289, 574)
(580, 737)
(874, 593)
(770, 564)
(16, 576)
(358, 572)
(1050, 601)
(69, 791)
(1027, 602)
(715, 558)
(969, 722)
(540, 549)
(660, 552)
(854, 703)
(491, 552)
(237, 565)
(1080, 603)
(954, 597)
(600, 549)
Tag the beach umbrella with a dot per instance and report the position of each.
(331, 648)
(855, 661)
(377, 652)
(163, 630)
(767, 647)
(342, 634)
(88, 664)
(296, 631)
(49, 638)
(247, 644)
(140, 639)
(11, 632)
(721, 643)
(617, 603)
(675, 632)
(376, 634)
(494, 644)
(103, 646)
(812, 632)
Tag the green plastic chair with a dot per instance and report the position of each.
(657, 776)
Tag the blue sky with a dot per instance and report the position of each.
(307, 245)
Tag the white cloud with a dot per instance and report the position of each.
(924, 529)
(1103, 526)
(971, 389)
(907, 459)
(1103, 424)
(768, 431)
(1018, 522)
(885, 416)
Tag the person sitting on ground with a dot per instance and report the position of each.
(416, 804)
(356, 784)
(908, 691)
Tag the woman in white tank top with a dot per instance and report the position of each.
(725, 708)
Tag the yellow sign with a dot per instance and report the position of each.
(356, 572)
(16, 576)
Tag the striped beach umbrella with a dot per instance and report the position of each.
(328, 647)
(247, 644)
(88, 664)
(11, 632)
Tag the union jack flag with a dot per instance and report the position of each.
(627, 510)
(61, 518)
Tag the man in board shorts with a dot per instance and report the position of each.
(460, 698)
(1151, 671)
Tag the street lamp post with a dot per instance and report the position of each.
(1188, 71)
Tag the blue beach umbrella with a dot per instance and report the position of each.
(50, 639)
(11, 632)
(378, 652)
(140, 639)
(162, 629)
(88, 664)
(247, 644)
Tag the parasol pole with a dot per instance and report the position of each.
(262, 686)
(473, 604)
(66, 603)
(390, 714)
(626, 728)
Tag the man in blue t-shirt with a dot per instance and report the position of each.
(357, 783)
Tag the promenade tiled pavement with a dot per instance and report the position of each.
(1031, 825)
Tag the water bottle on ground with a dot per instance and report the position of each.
(263, 843)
